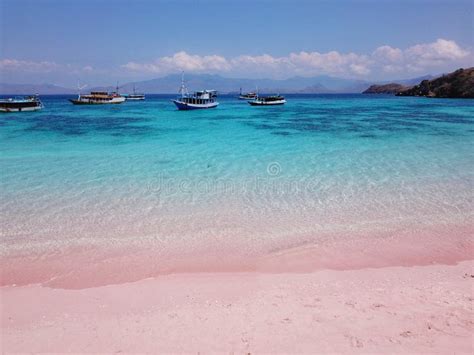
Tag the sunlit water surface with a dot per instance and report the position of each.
(241, 179)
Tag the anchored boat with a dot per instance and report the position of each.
(21, 104)
(268, 100)
(199, 100)
(247, 96)
(135, 96)
(98, 98)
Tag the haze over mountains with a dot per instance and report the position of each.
(170, 85)
(29, 89)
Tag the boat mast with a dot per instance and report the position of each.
(79, 88)
(183, 91)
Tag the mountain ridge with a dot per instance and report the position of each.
(457, 84)
(170, 84)
(30, 89)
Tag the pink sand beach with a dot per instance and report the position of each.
(394, 296)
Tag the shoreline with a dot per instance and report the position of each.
(86, 267)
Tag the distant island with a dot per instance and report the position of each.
(392, 88)
(458, 84)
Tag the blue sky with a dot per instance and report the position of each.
(104, 41)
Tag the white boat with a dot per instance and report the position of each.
(199, 100)
(98, 98)
(135, 96)
(21, 104)
(268, 100)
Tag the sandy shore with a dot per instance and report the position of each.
(89, 266)
(390, 309)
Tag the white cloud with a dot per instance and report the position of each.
(420, 56)
(359, 69)
(389, 68)
(384, 59)
(264, 59)
(435, 53)
(330, 63)
(182, 61)
(387, 54)
(26, 65)
(302, 63)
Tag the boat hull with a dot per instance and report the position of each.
(135, 99)
(20, 109)
(187, 106)
(270, 103)
(20, 105)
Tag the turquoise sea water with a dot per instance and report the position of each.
(251, 179)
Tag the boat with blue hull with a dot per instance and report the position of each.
(199, 100)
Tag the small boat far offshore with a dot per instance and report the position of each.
(21, 104)
(268, 100)
(135, 96)
(247, 96)
(199, 100)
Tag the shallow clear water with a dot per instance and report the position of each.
(236, 178)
